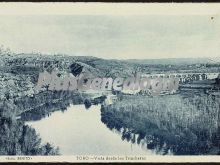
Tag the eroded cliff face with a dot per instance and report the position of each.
(19, 98)
(21, 101)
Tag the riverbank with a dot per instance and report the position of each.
(84, 127)
(181, 124)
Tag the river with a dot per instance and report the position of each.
(80, 131)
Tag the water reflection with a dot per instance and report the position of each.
(78, 131)
(178, 124)
(43, 104)
(183, 124)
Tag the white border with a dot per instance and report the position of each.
(91, 158)
(95, 8)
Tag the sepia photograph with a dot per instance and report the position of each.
(109, 82)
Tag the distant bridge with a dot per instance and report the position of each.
(184, 77)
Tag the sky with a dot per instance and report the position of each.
(112, 35)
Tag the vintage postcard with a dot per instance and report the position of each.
(109, 82)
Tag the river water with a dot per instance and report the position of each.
(80, 131)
